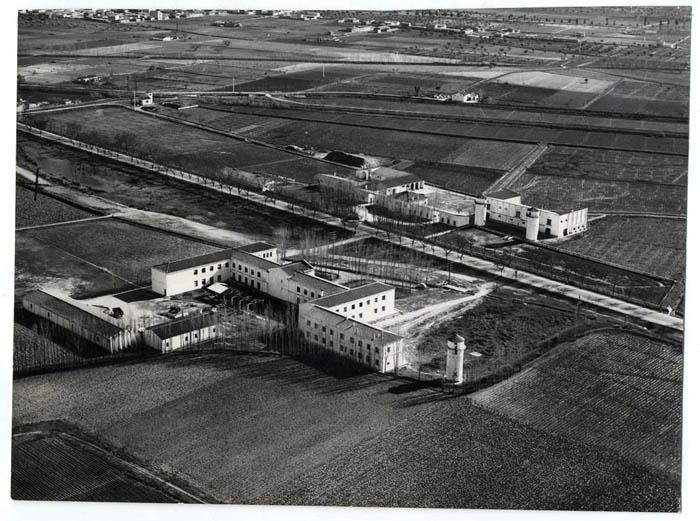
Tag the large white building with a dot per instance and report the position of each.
(174, 278)
(505, 206)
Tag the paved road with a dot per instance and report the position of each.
(536, 281)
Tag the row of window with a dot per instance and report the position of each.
(244, 269)
(369, 301)
(252, 282)
(204, 281)
(187, 337)
(306, 292)
(351, 351)
(211, 268)
(267, 255)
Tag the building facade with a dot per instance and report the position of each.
(182, 332)
(174, 278)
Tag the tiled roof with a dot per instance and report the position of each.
(256, 247)
(256, 261)
(296, 267)
(180, 326)
(310, 281)
(194, 262)
(74, 313)
(352, 294)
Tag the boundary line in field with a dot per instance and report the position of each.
(64, 223)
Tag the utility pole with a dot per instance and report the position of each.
(36, 183)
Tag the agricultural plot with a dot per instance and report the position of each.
(43, 210)
(100, 254)
(646, 98)
(612, 389)
(230, 442)
(181, 147)
(129, 186)
(32, 350)
(568, 178)
(53, 468)
(643, 243)
(470, 179)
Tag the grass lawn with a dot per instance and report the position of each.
(249, 429)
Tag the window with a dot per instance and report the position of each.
(360, 304)
(187, 338)
(331, 343)
(258, 274)
(367, 359)
(549, 222)
(167, 344)
(240, 267)
(195, 272)
(204, 281)
(218, 267)
(359, 343)
(258, 285)
(323, 329)
(213, 330)
(298, 289)
(312, 294)
(368, 301)
(308, 322)
(218, 277)
(245, 279)
(323, 340)
(226, 265)
(211, 268)
(342, 336)
(305, 292)
(352, 340)
(388, 349)
(383, 297)
(204, 268)
(196, 283)
(352, 351)
(369, 347)
(239, 278)
(315, 325)
(360, 315)
(331, 331)
(245, 269)
(517, 214)
(376, 350)
(345, 309)
(353, 306)
(375, 311)
(307, 334)
(316, 337)
(376, 299)
(195, 335)
(383, 308)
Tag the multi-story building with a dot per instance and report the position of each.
(173, 278)
(369, 302)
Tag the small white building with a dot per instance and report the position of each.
(182, 332)
(465, 97)
(454, 365)
(176, 277)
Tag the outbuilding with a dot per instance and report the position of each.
(182, 332)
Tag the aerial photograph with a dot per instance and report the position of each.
(415, 258)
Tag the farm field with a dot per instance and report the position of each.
(396, 144)
(182, 147)
(241, 454)
(612, 389)
(473, 180)
(147, 191)
(54, 468)
(568, 178)
(644, 243)
(486, 112)
(45, 210)
(30, 350)
(522, 134)
(122, 254)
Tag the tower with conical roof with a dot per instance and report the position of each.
(454, 368)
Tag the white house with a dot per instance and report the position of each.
(181, 332)
(173, 278)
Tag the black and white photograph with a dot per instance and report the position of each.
(409, 256)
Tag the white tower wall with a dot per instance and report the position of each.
(532, 224)
(480, 212)
(454, 369)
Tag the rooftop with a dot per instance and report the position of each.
(301, 266)
(183, 325)
(193, 262)
(73, 312)
(256, 247)
(311, 281)
(256, 261)
(384, 177)
(353, 294)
